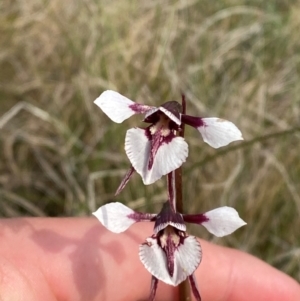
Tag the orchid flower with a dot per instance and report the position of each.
(170, 255)
(157, 150)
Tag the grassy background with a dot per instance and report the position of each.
(239, 60)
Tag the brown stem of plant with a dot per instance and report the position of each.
(178, 171)
(172, 189)
(184, 287)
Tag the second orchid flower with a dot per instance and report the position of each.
(170, 254)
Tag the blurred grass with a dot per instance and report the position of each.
(239, 60)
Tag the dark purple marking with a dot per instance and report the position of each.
(142, 217)
(168, 215)
(169, 250)
(166, 139)
(138, 108)
(194, 287)
(172, 239)
(148, 133)
(195, 218)
(192, 121)
(156, 140)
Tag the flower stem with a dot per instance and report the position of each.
(174, 180)
(171, 180)
(185, 291)
(178, 171)
(184, 287)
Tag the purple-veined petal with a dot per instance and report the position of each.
(187, 259)
(169, 156)
(215, 131)
(222, 221)
(118, 107)
(117, 217)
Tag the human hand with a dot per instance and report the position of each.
(73, 259)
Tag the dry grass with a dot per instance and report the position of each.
(60, 156)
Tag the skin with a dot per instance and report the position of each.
(77, 259)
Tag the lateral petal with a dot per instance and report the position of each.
(118, 107)
(222, 221)
(169, 156)
(219, 132)
(215, 131)
(117, 217)
(187, 259)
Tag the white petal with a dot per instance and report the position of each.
(187, 259)
(118, 107)
(169, 156)
(223, 221)
(219, 132)
(113, 216)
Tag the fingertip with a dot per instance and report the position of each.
(231, 275)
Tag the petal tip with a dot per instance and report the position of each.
(219, 132)
(223, 221)
(115, 106)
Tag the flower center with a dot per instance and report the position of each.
(160, 132)
(162, 125)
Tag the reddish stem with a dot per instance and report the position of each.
(184, 287)
(172, 191)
